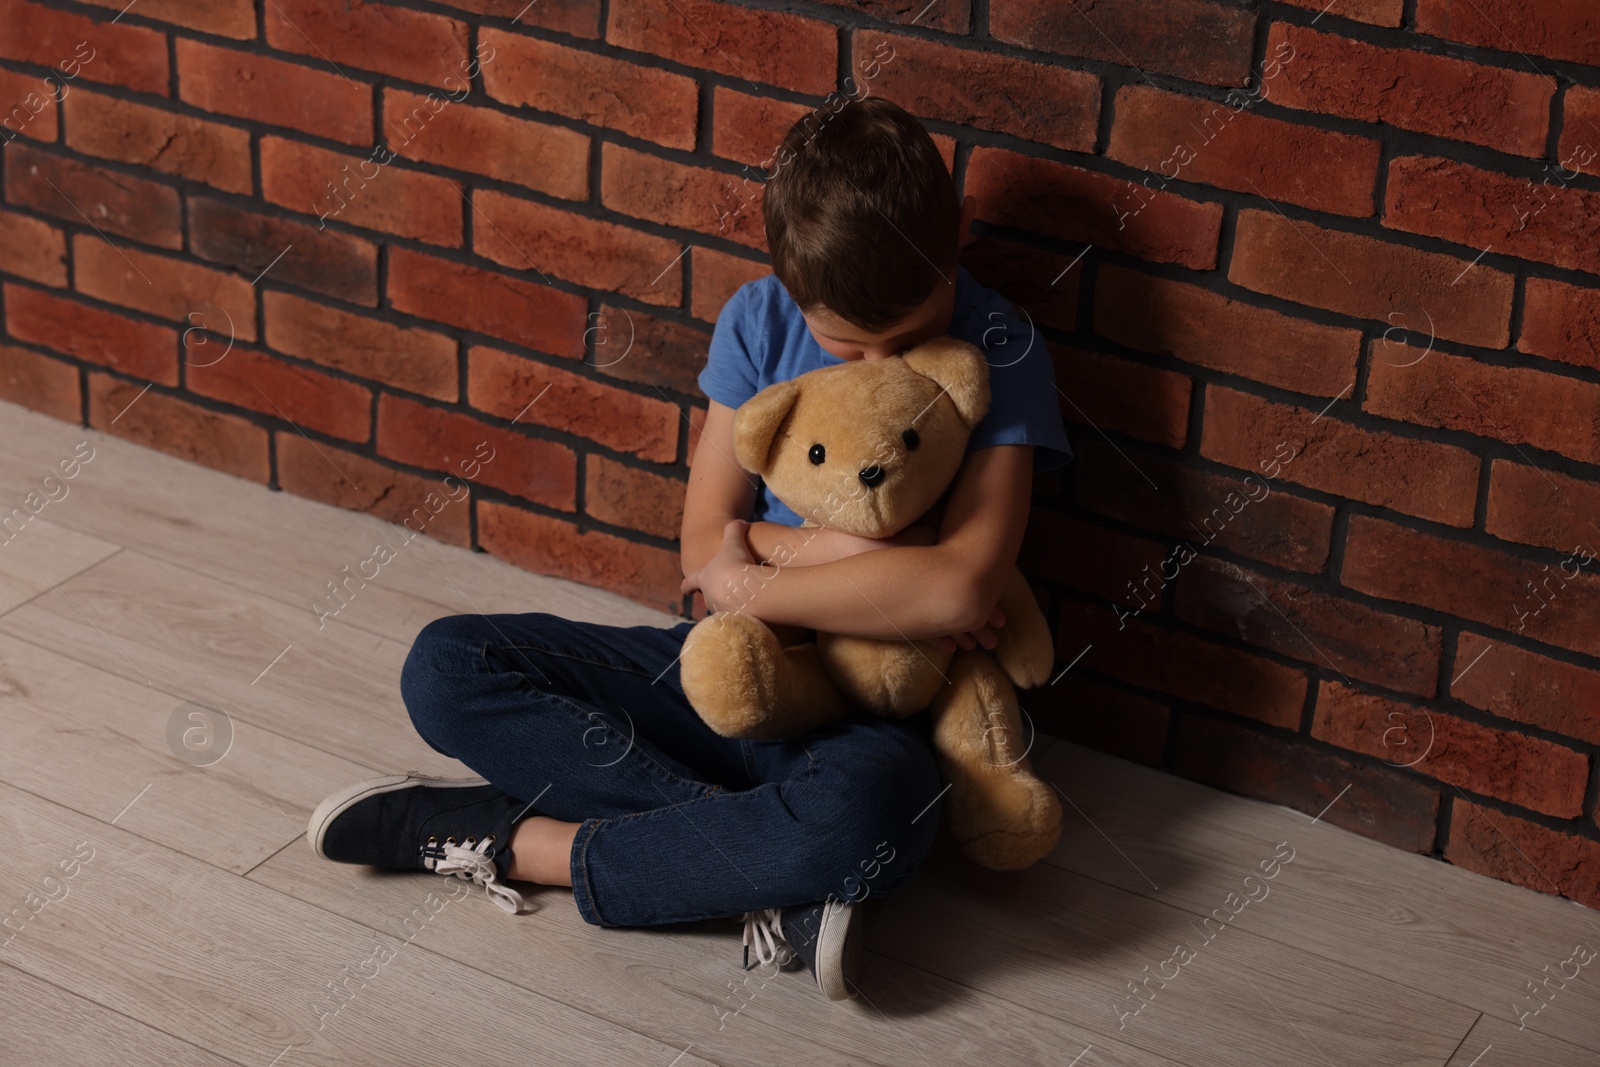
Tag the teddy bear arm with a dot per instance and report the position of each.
(1023, 645)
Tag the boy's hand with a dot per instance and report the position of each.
(717, 579)
(984, 635)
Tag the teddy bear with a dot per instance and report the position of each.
(871, 447)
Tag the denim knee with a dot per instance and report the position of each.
(442, 652)
(877, 824)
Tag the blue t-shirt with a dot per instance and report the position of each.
(761, 338)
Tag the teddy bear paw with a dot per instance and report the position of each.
(730, 673)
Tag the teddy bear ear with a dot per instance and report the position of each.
(756, 422)
(960, 369)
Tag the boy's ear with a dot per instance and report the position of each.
(960, 369)
(756, 422)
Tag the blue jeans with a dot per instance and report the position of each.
(589, 723)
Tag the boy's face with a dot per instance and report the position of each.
(841, 339)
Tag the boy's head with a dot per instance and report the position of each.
(863, 226)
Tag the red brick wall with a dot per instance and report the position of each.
(1319, 286)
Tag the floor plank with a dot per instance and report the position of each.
(90, 740)
(1496, 1043)
(1068, 946)
(277, 544)
(1457, 934)
(683, 981)
(248, 973)
(62, 1027)
(262, 662)
(39, 554)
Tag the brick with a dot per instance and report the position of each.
(674, 194)
(1538, 27)
(337, 264)
(80, 47)
(749, 129)
(618, 94)
(641, 348)
(968, 87)
(344, 479)
(139, 349)
(1561, 321)
(1526, 687)
(434, 129)
(545, 545)
(33, 249)
(1196, 325)
(628, 496)
(28, 106)
(1080, 205)
(405, 357)
(1504, 109)
(1324, 630)
(304, 398)
(717, 276)
(1111, 393)
(590, 252)
(1470, 582)
(209, 152)
(1382, 804)
(952, 16)
(1520, 405)
(362, 191)
(779, 48)
(1579, 150)
(1227, 145)
(439, 439)
(580, 18)
(117, 203)
(1537, 507)
(401, 42)
(1547, 222)
(1523, 853)
(1081, 710)
(1372, 279)
(538, 394)
(40, 382)
(1181, 664)
(1100, 561)
(1422, 478)
(165, 286)
(1193, 39)
(1377, 12)
(486, 302)
(697, 425)
(1042, 285)
(224, 18)
(1194, 506)
(274, 91)
(215, 439)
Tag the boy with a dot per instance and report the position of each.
(597, 774)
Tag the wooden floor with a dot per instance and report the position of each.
(171, 912)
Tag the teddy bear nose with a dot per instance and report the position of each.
(871, 476)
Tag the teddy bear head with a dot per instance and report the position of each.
(867, 446)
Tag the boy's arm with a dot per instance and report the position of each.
(909, 592)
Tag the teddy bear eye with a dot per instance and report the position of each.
(817, 454)
(911, 439)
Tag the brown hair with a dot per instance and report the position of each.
(861, 213)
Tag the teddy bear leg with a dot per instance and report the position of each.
(744, 684)
(1003, 815)
(1023, 647)
(893, 679)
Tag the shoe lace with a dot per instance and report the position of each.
(475, 865)
(764, 929)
